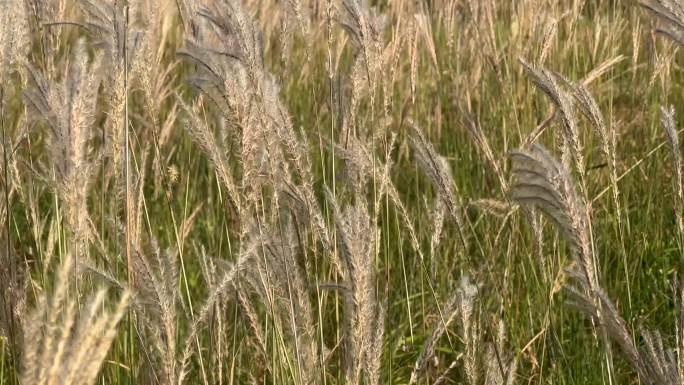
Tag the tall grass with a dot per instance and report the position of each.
(341, 192)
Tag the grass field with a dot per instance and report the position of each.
(341, 192)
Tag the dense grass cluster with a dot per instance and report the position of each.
(341, 192)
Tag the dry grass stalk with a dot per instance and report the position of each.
(654, 363)
(437, 170)
(13, 274)
(211, 271)
(482, 143)
(155, 76)
(45, 14)
(550, 35)
(364, 28)
(276, 230)
(493, 207)
(607, 137)
(541, 182)
(61, 347)
(221, 288)
(14, 38)
(546, 82)
(232, 76)
(667, 121)
(424, 28)
(679, 326)
(364, 317)
(461, 300)
(69, 109)
(486, 361)
(14, 47)
(279, 277)
(272, 189)
(501, 366)
(205, 138)
(155, 280)
(363, 167)
(107, 24)
(437, 214)
(671, 14)
(470, 329)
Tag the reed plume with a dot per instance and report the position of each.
(483, 362)
(437, 170)
(69, 110)
(279, 278)
(155, 279)
(541, 182)
(364, 320)
(229, 56)
(655, 363)
(607, 137)
(546, 82)
(63, 345)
